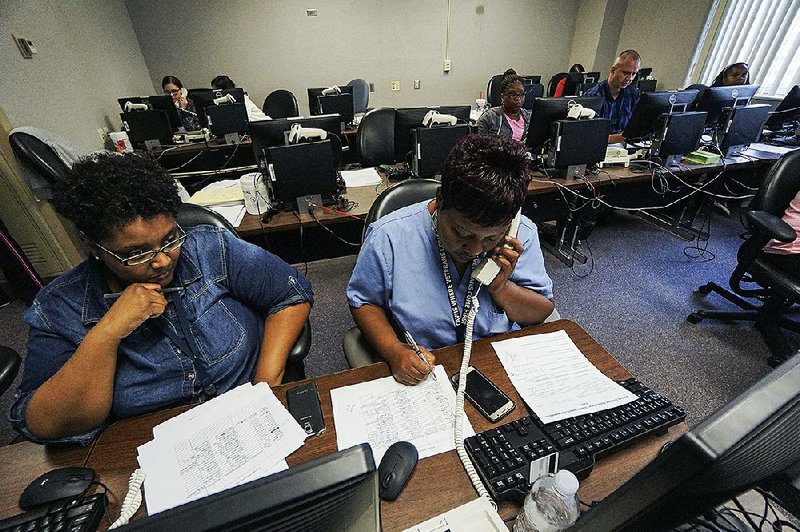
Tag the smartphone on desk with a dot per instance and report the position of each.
(492, 403)
(303, 401)
(488, 269)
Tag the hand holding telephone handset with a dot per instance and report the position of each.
(488, 270)
(182, 102)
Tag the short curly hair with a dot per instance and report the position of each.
(107, 191)
(485, 177)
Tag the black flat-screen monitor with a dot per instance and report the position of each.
(533, 91)
(165, 103)
(545, 111)
(408, 118)
(787, 112)
(714, 99)
(578, 142)
(677, 134)
(579, 82)
(341, 104)
(650, 107)
(432, 145)
(268, 133)
(644, 73)
(531, 80)
(203, 99)
(315, 93)
(302, 170)
(742, 126)
(150, 125)
(750, 440)
(335, 492)
(227, 118)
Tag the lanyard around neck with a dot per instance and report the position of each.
(459, 318)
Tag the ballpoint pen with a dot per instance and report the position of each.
(115, 295)
(418, 351)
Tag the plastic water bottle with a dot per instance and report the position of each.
(551, 504)
(256, 197)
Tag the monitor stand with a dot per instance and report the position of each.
(576, 171)
(304, 202)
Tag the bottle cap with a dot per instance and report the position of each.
(566, 482)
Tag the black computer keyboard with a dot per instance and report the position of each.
(503, 455)
(69, 515)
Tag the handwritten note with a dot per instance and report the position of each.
(383, 411)
(555, 379)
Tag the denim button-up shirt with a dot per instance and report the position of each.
(207, 341)
(619, 111)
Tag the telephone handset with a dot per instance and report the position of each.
(184, 94)
(488, 269)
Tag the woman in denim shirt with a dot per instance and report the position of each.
(232, 315)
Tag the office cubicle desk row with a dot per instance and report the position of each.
(438, 484)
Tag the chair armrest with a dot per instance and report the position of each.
(9, 366)
(772, 226)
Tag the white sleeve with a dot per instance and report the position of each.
(254, 114)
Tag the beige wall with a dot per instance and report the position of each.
(88, 56)
(588, 24)
(265, 45)
(666, 34)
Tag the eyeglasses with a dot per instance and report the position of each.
(515, 95)
(147, 256)
(171, 92)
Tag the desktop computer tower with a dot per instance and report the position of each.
(432, 145)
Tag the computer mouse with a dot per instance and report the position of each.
(56, 484)
(395, 469)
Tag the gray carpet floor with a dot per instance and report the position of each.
(634, 302)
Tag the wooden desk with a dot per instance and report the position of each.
(438, 484)
(213, 156)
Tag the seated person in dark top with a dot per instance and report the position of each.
(234, 317)
(173, 87)
(618, 96)
(414, 270)
(508, 120)
(735, 74)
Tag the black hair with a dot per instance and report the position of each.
(222, 82)
(721, 76)
(171, 79)
(509, 80)
(577, 67)
(485, 178)
(509, 72)
(106, 191)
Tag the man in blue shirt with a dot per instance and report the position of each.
(618, 96)
(158, 316)
(414, 270)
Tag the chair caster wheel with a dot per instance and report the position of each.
(694, 317)
(705, 289)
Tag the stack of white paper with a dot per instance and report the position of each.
(239, 436)
(223, 197)
(383, 411)
(361, 178)
(555, 379)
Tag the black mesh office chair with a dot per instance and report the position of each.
(281, 104)
(9, 366)
(190, 215)
(360, 95)
(493, 90)
(357, 351)
(777, 287)
(375, 137)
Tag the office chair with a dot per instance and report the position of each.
(554, 81)
(9, 366)
(357, 350)
(778, 288)
(190, 215)
(360, 95)
(280, 104)
(375, 137)
(39, 157)
(493, 90)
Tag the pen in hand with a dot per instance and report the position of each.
(418, 351)
(115, 295)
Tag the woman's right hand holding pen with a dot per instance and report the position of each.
(138, 303)
(407, 367)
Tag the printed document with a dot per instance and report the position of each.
(383, 411)
(239, 436)
(361, 178)
(555, 379)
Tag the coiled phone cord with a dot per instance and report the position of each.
(459, 417)
(132, 501)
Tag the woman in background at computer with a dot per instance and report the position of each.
(158, 315)
(735, 74)
(577, 68)
(414, 271)
(172, 86)
(508, 120)
(254, 114)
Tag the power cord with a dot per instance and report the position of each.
(311, 207)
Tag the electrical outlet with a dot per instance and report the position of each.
(416, 84)
(395, 85)
(447, 65)
(371, 87)
(103, 133)
(311, 12)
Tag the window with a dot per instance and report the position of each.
(763, 33)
